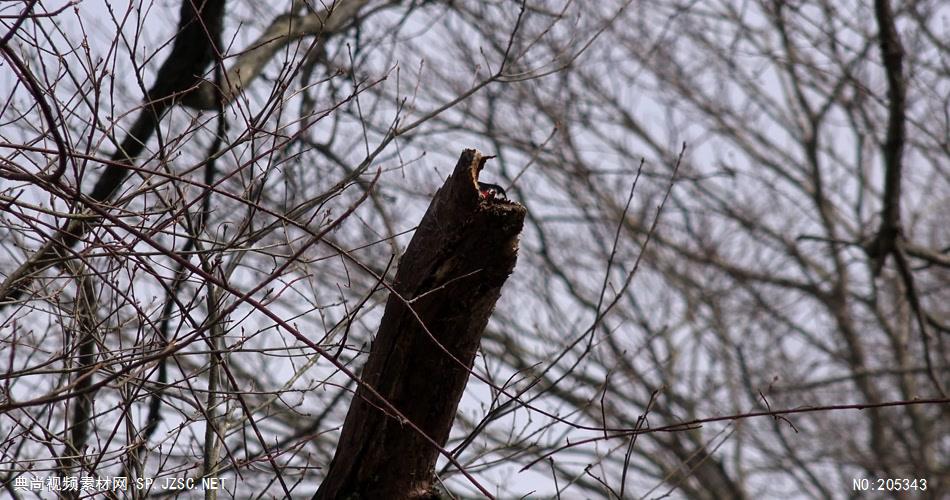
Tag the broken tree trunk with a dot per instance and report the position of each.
(444, 292)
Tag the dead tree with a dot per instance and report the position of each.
(444, 292)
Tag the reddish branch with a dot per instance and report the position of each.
(444, 292)
(699, 422)
(195, 47)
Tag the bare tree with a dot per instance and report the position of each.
(735, 239)
(801, 260)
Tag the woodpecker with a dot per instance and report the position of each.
(488, 191)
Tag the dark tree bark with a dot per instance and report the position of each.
(444, 292)
(892, 55)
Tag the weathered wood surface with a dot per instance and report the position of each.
(451, 275)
